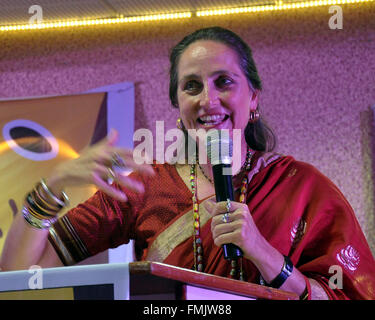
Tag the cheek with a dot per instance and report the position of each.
(183, 99)
(240, 108)
(187, 111)
(240, 120)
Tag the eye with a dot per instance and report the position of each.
(223, 81)
(192, 86)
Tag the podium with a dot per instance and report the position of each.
(129, 281)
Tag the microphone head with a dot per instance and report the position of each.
(219, 148)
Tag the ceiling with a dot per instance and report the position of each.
(17, 11)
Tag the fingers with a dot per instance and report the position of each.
(104, 155)
(108, 189)
(101, 176)
(219, 208)
(112, 137)
(233, 217)
(109, 140)
(129, 183)
(227, 237)
(232, 227)
(232, 231)
(223, 228)
(130, 163)
(105, 151)
(99, 163)
(216, 208)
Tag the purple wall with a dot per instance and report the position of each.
(318, 83)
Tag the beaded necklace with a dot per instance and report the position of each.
(197, 241)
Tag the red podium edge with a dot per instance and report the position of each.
(209, 281)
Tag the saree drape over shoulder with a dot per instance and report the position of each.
(297, 209)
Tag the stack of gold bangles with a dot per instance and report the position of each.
(41, 206)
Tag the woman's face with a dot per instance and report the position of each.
(213, 92)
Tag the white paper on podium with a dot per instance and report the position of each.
(197, 293)
(116, 274)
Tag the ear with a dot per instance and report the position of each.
(254, 99)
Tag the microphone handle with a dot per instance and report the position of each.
(224, 190)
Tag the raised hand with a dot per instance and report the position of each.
(94, 166)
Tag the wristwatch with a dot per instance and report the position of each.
(286, 271)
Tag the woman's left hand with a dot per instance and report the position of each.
(242, 231)
(239, 230)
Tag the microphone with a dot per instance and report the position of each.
(219, 151)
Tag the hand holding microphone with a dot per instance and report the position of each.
(232, 224)
(219, 151)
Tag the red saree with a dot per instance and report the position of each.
(297, 209)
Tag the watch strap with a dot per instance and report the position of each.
(286, 271)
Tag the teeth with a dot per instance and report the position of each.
(213, 118)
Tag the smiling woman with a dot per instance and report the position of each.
(258, 134)
(291, 222)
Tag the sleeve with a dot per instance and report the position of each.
(99, 223)
(334, 250)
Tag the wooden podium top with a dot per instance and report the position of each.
(134, 281)
(209, 281)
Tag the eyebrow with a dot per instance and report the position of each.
(195, 76)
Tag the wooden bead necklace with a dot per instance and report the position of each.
(197, 241)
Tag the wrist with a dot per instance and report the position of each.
(285, 273)
(268, 260)
(41, 206)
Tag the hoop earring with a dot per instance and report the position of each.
(179, 124)
(254, 116)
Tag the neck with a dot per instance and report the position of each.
(241, 154)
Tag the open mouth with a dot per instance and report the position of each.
(213, 120)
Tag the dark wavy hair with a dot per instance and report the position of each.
(259, 136)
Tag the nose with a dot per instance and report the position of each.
(209, 97)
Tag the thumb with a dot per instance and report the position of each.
(209, 205)
(112, 137)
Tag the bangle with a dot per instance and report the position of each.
(35, 222)
(39, 199)
(306, 293)
(286, 271)
(33, 206)
(41, 206)
(62, 203)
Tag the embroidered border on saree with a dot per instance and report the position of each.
(175, 234)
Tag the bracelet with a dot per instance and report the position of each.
(32, 205)
(62, 203)
(38, 197)
(286, 271)
(41, 206)
(35, 222)
(306, 293)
